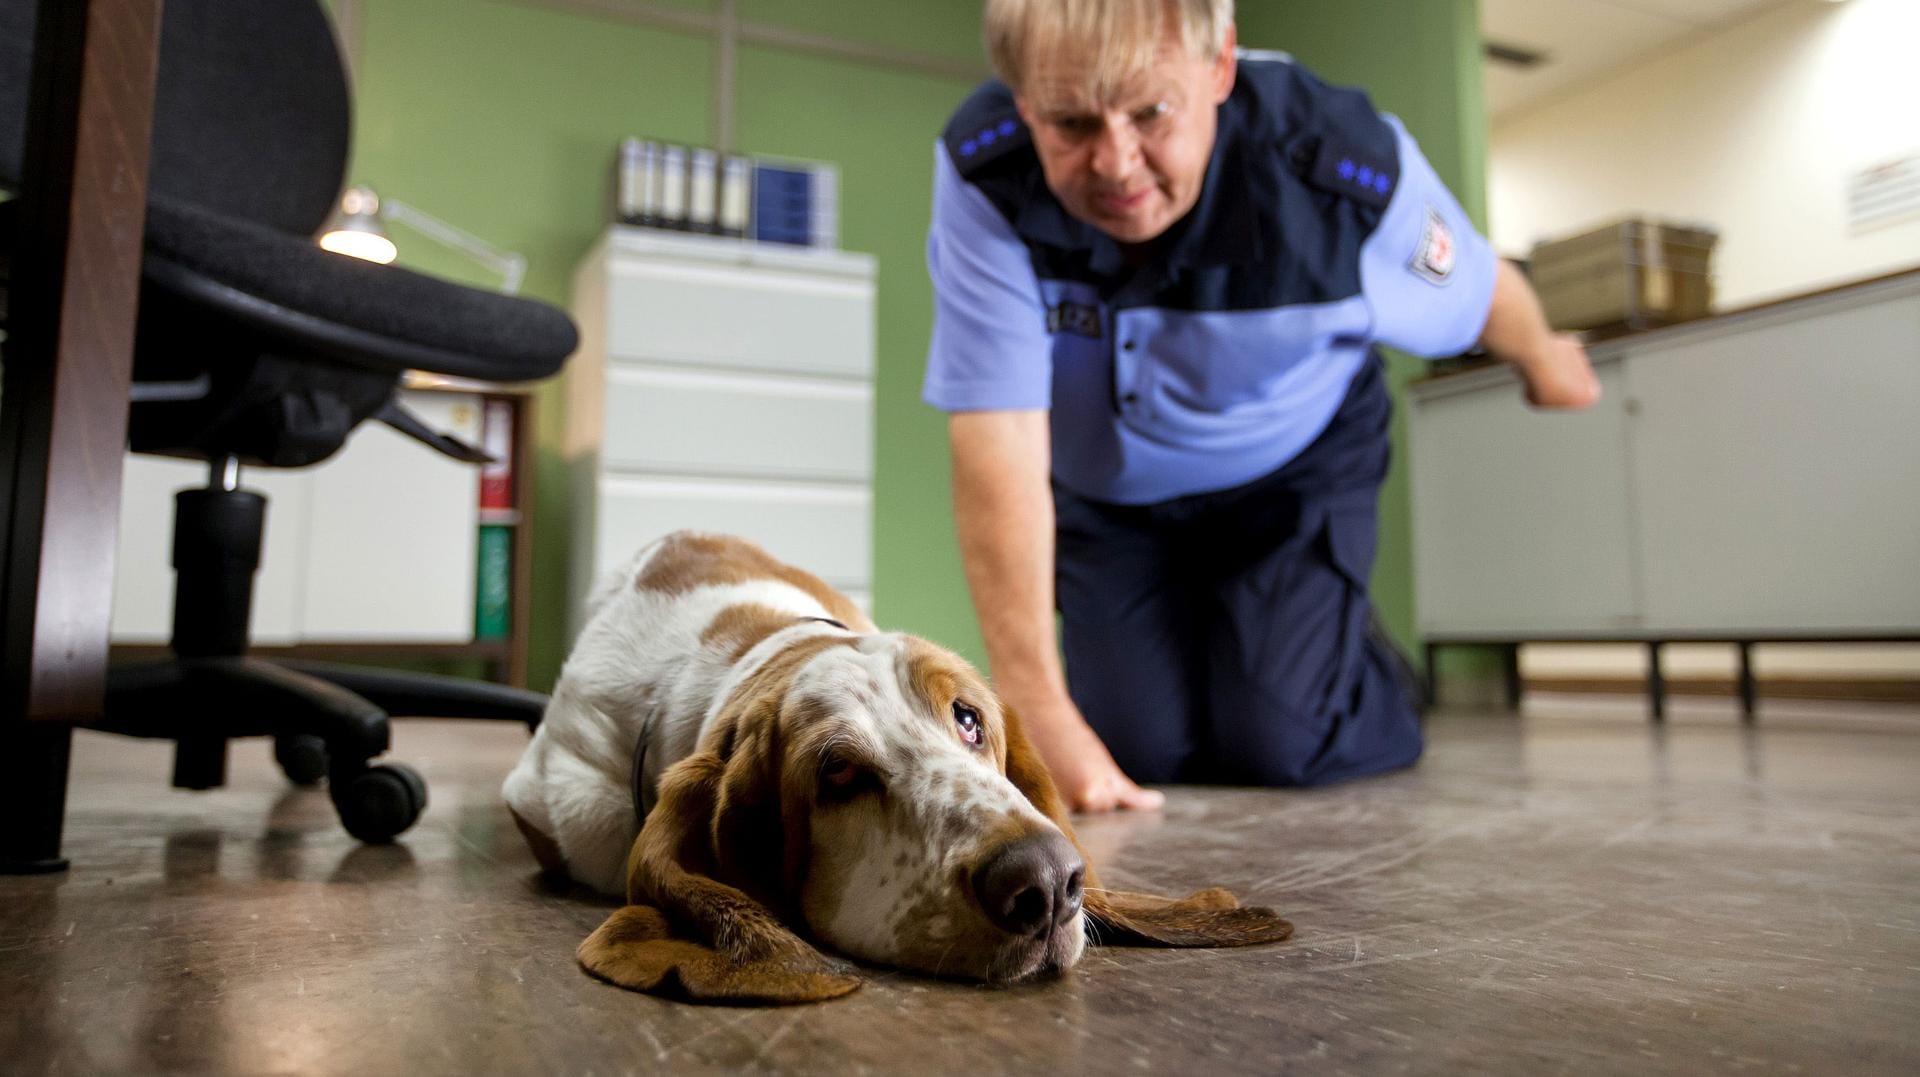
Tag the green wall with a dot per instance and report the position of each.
(501, 117)
(1425, 69)
(880, 127)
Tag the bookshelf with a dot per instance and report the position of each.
(372, 556)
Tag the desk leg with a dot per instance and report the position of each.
(73, 286)
(1656, 684)
(1432, 675)
(33, 795)
(1749, 690)
(1510, 662)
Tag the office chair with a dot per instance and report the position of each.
(254, 346)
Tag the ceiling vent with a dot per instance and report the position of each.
(1512, 55)
(1885, 194)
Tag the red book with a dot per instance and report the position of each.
(496, 437)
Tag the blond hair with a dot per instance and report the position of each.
(1118, 38)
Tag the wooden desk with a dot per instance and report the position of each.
(74, 287)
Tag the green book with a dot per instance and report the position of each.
(493, 592)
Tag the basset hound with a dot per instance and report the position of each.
(737, 749)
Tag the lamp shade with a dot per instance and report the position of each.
(355, 229)
(358, 230)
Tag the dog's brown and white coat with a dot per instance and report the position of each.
(807, 775)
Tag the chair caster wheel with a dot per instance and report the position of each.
(302, 758)
(380, 802)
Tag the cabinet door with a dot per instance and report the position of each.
(1521, 517)
(392, 540)
(1777, 466)
(143, 566)
(739, 317)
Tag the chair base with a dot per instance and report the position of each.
(47, 866)
(326, 720)
(319, 726)
(428, 695)
(203, 702)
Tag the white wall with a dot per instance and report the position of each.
(1753, 130)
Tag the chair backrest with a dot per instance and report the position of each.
(251, 109)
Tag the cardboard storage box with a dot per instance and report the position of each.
(1633, 273)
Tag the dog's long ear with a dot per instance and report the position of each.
(685, 933)
(1210, 917)
(1029, 774)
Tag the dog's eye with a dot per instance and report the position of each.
(968, 720)
(843, 779)
(839, 773)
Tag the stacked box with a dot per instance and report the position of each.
(1633, 273)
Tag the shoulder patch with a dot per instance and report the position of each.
(986, 128)
(1347, 169)
(1433, 259)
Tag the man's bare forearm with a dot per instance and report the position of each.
(1553, 365)
(1003, 511)
(1516, 328)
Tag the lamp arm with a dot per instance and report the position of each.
(511, 266)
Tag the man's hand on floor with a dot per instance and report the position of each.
(1083, 770)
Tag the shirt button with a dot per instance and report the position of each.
(1127, 345)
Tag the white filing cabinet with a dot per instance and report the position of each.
(1751, 476)
(722, 385)
(375, 544)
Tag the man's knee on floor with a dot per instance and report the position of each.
(1150, 764)
(1148, 738)
(1300, 746)
(1270, 767)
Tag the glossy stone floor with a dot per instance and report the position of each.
(1568, 892)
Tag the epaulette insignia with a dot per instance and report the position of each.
(1341, 170)
(985, 144)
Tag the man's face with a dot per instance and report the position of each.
(1131, 166)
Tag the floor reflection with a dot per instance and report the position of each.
(1575, 889)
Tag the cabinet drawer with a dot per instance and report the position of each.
(747, 425)
(740, 317)
(823, 528)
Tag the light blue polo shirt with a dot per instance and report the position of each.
(1319, 231)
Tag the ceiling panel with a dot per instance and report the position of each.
(1700, 12)
(1584, 40)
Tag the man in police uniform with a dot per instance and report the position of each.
(1160, 269)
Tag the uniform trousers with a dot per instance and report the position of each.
(1228, 637)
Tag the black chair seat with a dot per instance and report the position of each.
(315, 302)
(254, 345)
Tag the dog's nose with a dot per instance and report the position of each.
(1030, 885)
